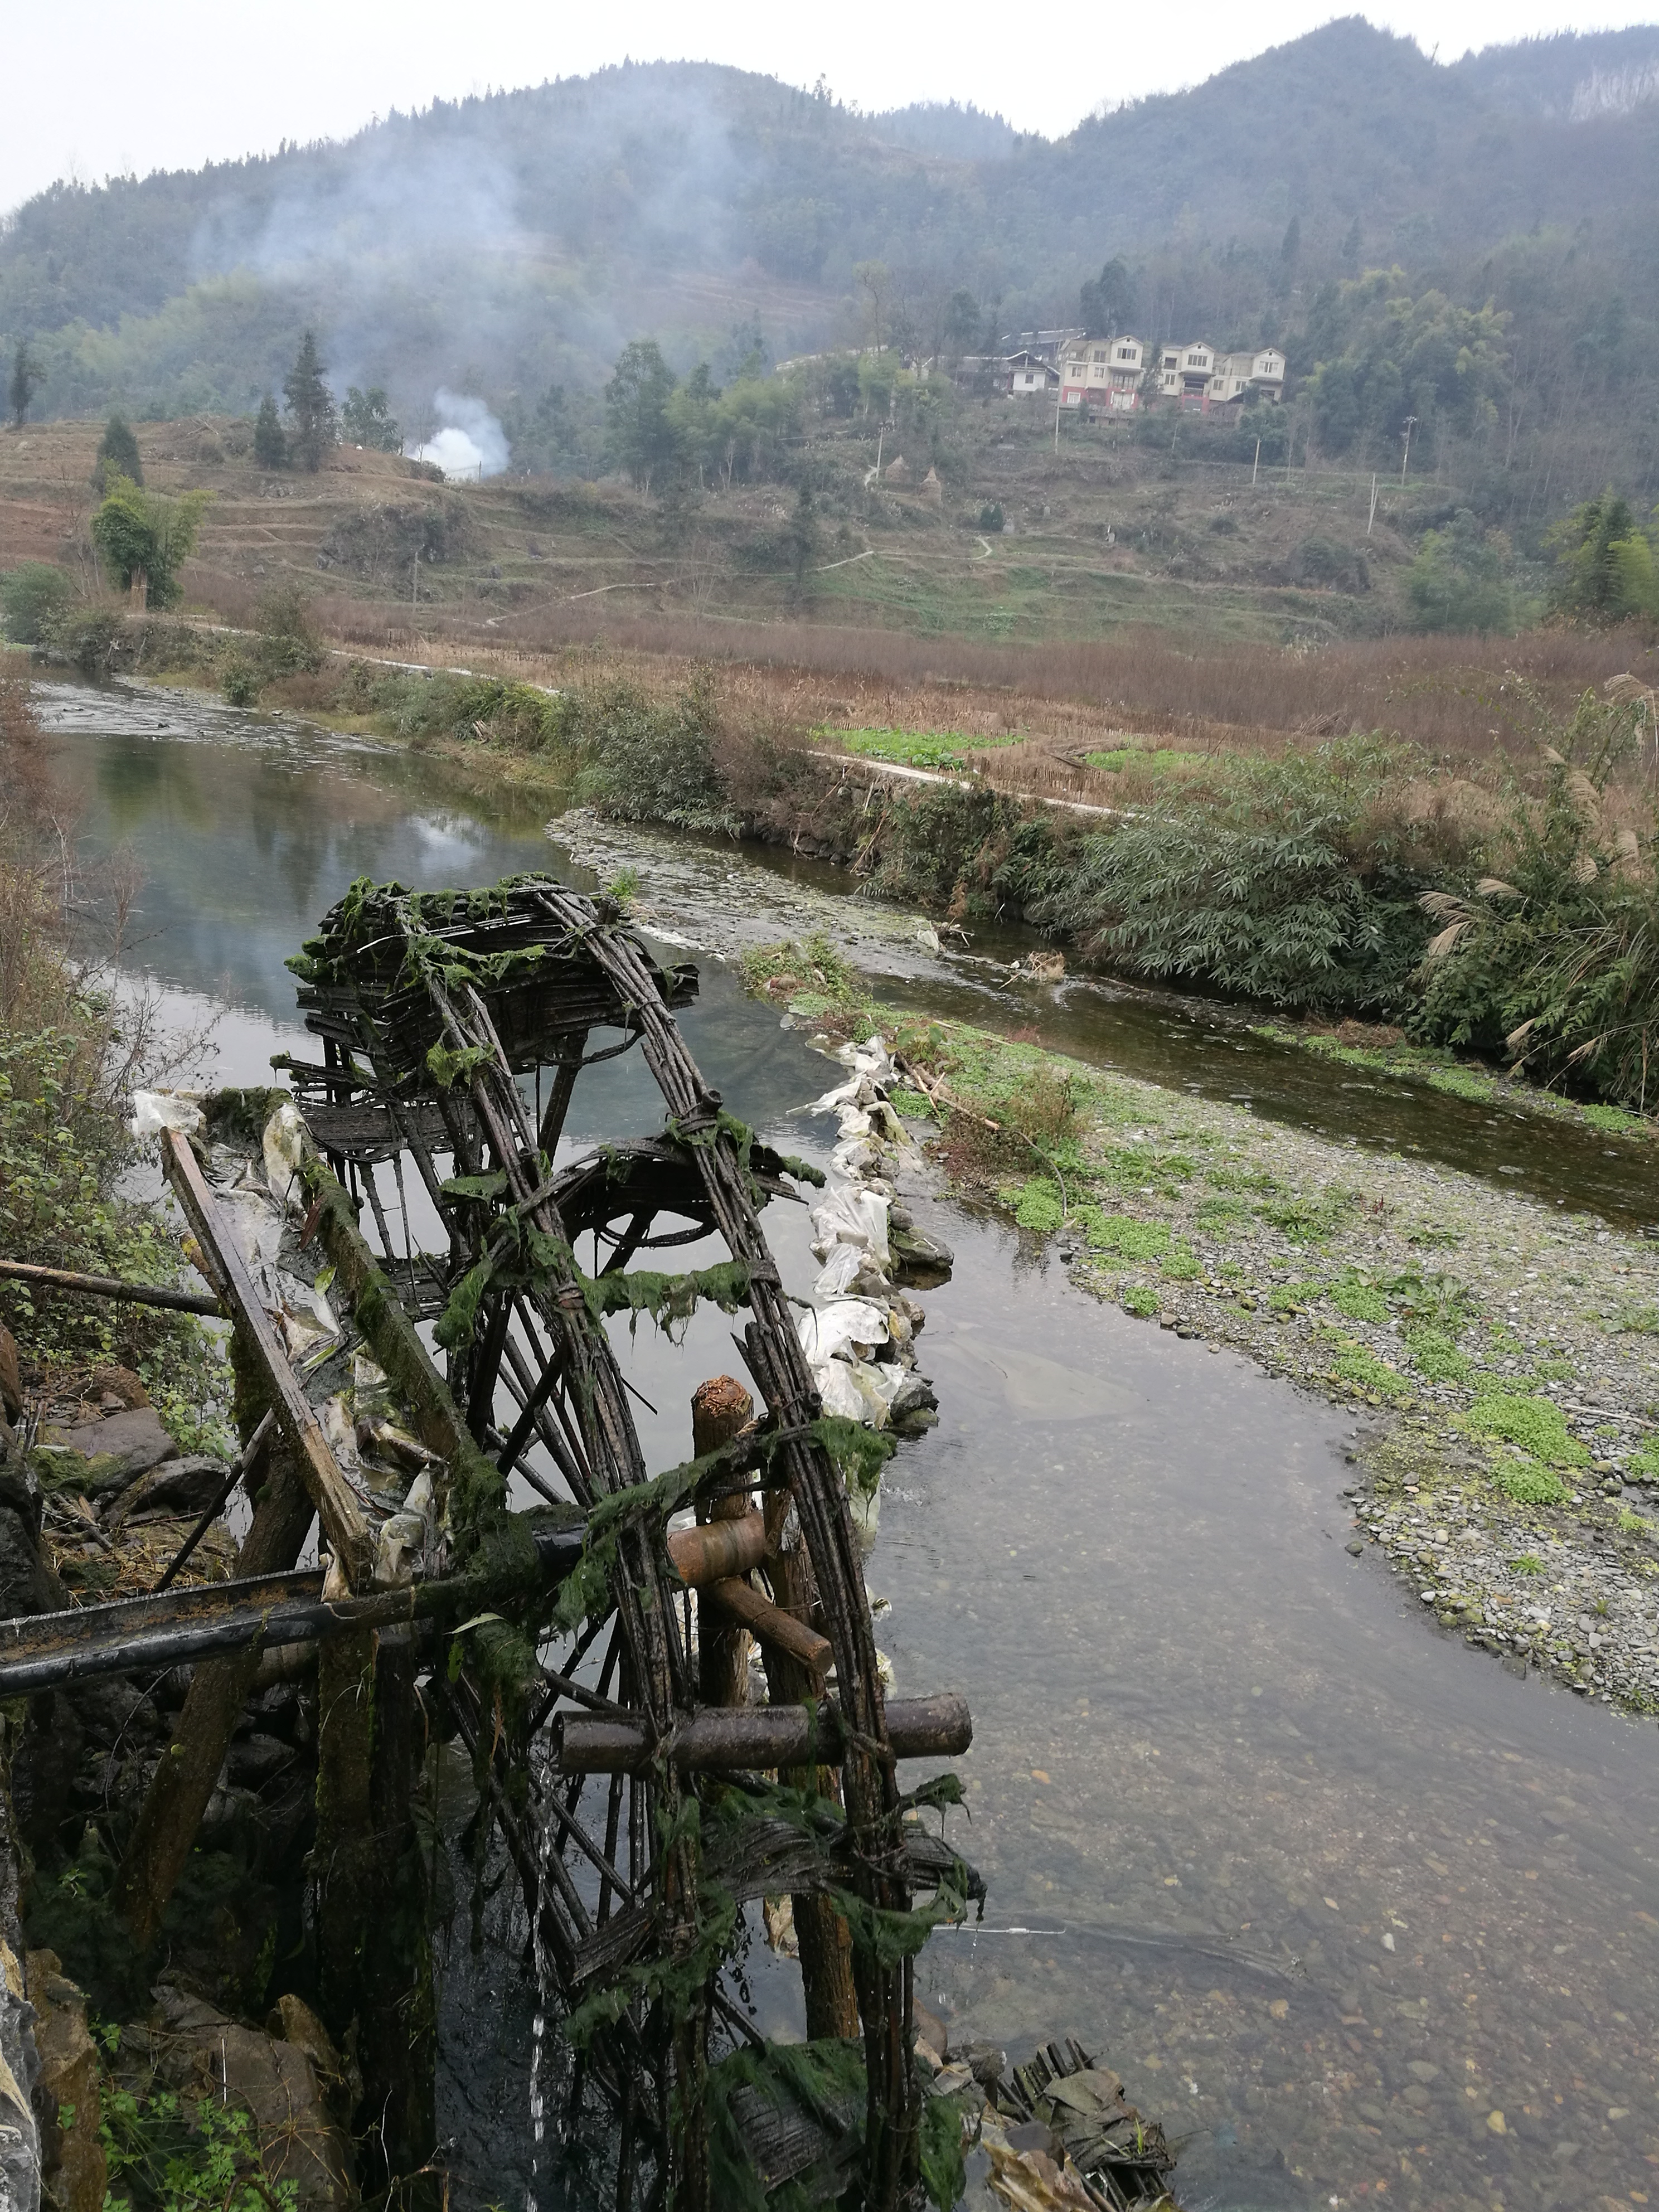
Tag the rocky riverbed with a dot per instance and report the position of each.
(1500, 1355)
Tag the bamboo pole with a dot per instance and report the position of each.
(106, 1286)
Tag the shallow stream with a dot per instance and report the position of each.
(1355, 1913)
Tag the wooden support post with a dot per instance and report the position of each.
(826, 1948)
(171, 1813)
(374, 1954)
(720, 1409)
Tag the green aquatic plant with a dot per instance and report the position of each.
(1359, 1300)
(1536, 1425)
(1181, 1265)
(1435, 1358)
(1123, 1234)
(1036, 1205)
(1138, 1299)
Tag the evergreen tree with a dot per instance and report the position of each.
(118, 455)
(641, 433)
(313, 425)
(1106, 302)
(269, 446)
(27, 378)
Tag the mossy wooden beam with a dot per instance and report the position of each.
(477, 1487)
(337, 1502)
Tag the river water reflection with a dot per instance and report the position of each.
(1356, 1913)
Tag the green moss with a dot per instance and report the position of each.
(1538, 1427)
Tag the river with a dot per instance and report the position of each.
(1356, 1915)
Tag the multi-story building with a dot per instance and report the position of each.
(1184, 374)
(1242, 377)
(1103, 373)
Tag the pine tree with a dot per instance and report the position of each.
(118, 455)
(312, 426)
(270, 447)
(27, 378)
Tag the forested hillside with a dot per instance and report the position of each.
(502, 245)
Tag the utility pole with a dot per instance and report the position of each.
(1058, 403)
(1256, 465)
(1372, 517)
(1405, 459)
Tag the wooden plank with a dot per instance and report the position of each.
(342, 1517)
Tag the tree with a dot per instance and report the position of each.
(1105, 303)
(1606, 563)
(962, 323)
(639, 432)
(269, 446)
(804, 539)
(1460, 579)
(27, 378)
(118, 455)
(875, 281)
(312, 426)
(146, 539)
(32, 596)
(367, 420)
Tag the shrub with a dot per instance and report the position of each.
(33, 596)
(239, 681)
(144, 534)
(644, 763)
(1265, 880)
(92, 638)
(1556, 960)
(1460, 579)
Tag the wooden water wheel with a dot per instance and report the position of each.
(630, 1789)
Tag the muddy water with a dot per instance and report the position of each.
(1356, 1913)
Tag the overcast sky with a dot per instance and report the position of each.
(100, 86)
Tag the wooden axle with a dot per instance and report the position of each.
(715, 1551)
(757, 1737)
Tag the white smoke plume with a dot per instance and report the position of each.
(469, 441)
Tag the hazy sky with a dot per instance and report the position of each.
(100, 86)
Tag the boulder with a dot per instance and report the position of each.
(106, 1456)
(201, 2051)
(74, 2171)
(177, 1485)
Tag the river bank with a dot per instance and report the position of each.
(1498, 907)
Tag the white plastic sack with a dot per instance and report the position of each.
(851, 1217)
(839, 1273)
(831, 1332)
(156, 1110)
(282, 1146)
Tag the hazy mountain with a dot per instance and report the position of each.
(499, 243)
